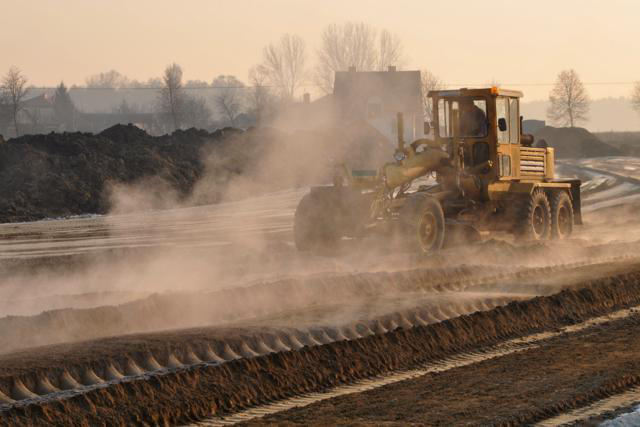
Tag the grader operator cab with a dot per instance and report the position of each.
(487, 177)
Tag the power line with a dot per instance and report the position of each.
(318, 86)
(539, 84)
(161, 87)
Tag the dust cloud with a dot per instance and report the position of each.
(161, 261)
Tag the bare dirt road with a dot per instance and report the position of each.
(200, 314)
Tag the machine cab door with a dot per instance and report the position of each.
(508, 137)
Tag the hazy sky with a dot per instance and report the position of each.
(464, 42)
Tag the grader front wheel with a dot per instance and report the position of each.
(425, 224)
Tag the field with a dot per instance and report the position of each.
(208, 315)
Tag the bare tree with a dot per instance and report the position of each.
(390, 50)
(429, 82)
(355, 45)
(196, 112)
(125, 108)
(569, 100)
(261, 100)
(229, 97)
(283, 65)
(111, 79)
(14, 87)
(172, 94)
(5, 113)
(196, 84)
(153, 82)
(635, 97)
(63, 107)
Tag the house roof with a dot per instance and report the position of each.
(398, 91)
(40, 101)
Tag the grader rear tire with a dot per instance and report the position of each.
(561, 215)
(314, 225)
(533, 221)
(424, 219)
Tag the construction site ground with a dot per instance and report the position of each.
(209, 316)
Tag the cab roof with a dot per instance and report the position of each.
(491, 91)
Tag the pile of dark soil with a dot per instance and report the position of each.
(67, 174)
(627, 142)
(57, 175)
(575, 143)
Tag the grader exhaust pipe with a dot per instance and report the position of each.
(400, 122)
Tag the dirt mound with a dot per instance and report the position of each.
(67, 174)
(124, 133)
(64, 174)
(575, 143)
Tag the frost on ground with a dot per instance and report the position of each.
(630, 419)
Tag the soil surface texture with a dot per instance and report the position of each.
(199, 390)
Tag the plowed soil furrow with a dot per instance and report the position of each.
(36, 372)
(535, 386)
(589, 413)
(107, 359)
(187, 394)
(457, 361)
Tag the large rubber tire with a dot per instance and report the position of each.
(314, 225)
(533, 220)
(424, 221)
(561, 215)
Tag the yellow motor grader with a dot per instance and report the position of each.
(486, 175)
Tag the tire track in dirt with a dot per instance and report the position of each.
(459, 360)
(187, 394)
(595, 409)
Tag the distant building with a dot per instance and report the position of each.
(532, 126)
(377, 96)
(362, 99)
(38, 115)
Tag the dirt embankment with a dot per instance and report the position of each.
(575, 143)
(200, 390)
(66, 174)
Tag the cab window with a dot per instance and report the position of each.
(472, 115)
(444, 117)
(502, 112)
(473, 118)
(514, 120)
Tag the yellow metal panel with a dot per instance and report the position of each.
(550, 163)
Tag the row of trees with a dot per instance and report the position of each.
(276, 81)
(635, 97)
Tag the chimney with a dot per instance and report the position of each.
(392, 68)
(352, 69)
(306, 98)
